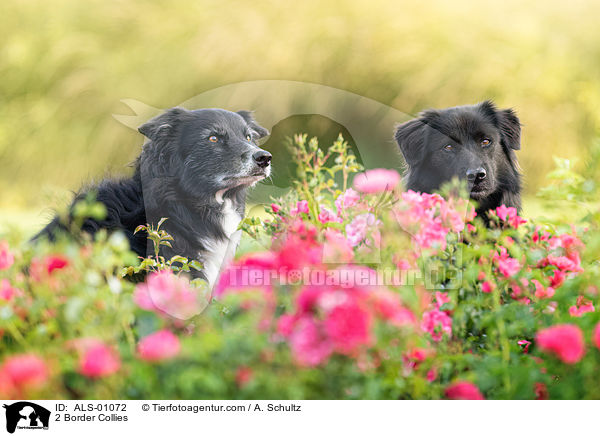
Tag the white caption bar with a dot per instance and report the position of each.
(294, 417)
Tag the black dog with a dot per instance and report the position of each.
(194, 170)
(475, 143)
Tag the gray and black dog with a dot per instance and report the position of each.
(194, 170)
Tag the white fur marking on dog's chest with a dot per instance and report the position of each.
(218, 252)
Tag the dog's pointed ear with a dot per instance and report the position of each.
(510, 128)
(260, 131)
(163, 124)
(410, 137)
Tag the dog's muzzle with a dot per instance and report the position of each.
(262, 158)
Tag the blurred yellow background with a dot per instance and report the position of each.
(65, 66)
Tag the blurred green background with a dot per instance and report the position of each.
(65, 66)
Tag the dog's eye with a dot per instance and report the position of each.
(448, 147)
(213, 138)
(249, 137)
(485, 142)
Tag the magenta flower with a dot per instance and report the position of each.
(436, 322)
(97, 359)
(6, 257)
(525, 344)
(582, 306)
(348, 326)
(507, 265)
(488, 286)
(377, 180)
(463, 390)
(510, 214)
(542, 292)
(159, 346)
(557, 278)
(310, 346)
(565, 341)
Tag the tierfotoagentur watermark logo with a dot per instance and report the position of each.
(25, 415)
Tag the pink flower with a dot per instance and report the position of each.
(275, 208)
(436, 323)
(348, 326)
(7, 292)
(441, 298)
(507, 265)
(327, 216)
(301, 207)
(525, 344)
(56, 262)
(542, 292)
(356, 231)
(309, 344)
(488, 286)
(23, 372)
(463, 390)
(504, 212)
(432, 235)
(6, 257)
(168, 294)
(510, 213)
(45, 267)
(97, 359)
(565, 263)
(539, 235)
(347, 199)
(159, 346)
(558, 278)
(596, 337)
(431, 375)
(565, 341)
(582, 306)
(377, 180)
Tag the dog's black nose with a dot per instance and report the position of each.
(477, 174)
(262, 158)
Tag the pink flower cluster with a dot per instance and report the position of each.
(331, 319)
(507, 266)
(436, 321)
(429, 218)
(509, 215)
